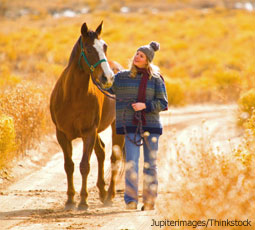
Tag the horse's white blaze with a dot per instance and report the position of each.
(99, 46)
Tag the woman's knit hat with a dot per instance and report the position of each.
(149, 50)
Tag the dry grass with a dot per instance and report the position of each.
(25, 119)
(203, 185)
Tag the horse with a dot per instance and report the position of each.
(79, 110)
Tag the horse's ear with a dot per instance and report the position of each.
(84, 30)
(99, 29)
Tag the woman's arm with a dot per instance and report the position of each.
(160, 101)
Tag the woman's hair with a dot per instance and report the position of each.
(153, 69)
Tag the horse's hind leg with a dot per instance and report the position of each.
(88, 145)
(116, 158)
(69, 167)
(100, 153)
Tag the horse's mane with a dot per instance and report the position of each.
(74, 51)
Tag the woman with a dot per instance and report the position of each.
(144, 85)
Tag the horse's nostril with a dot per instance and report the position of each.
(104, 79)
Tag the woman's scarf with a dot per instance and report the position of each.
(142, 93)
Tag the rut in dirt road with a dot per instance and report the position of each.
(37, 201)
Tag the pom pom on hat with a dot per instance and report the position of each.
(155, 46)
(149, 50)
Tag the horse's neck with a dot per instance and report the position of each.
(81, 78)
(77, 78)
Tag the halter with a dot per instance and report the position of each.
(91, 67)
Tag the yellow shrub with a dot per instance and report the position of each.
(175, 92)
(115, 7)
(250, 124)
(49, 69)
(178, 71)
(7, 140)
(246, 150)
(6, 78)
(228, 84)
(176, 46)
(207, 61)
(200, 90)
(227, 78)
(7, 134)
(246, 105)
(27, 105)
(249, 76)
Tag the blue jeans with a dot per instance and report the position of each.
(150, 182)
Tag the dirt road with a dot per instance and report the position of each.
(36, 201)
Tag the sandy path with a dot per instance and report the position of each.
(37, 200)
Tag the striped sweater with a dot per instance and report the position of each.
(125, 87)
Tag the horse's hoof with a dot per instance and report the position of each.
(102, 197)
(69, 206)
(83, 207)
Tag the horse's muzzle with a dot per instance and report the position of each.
(106, 83)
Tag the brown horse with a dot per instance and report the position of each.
(79, 109)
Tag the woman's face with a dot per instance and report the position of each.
(140, 60)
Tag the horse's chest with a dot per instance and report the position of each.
(87, 110)
(80, 114)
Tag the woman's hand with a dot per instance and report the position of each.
(138, 106)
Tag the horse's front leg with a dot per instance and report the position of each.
(69, 167)
(88, 145)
